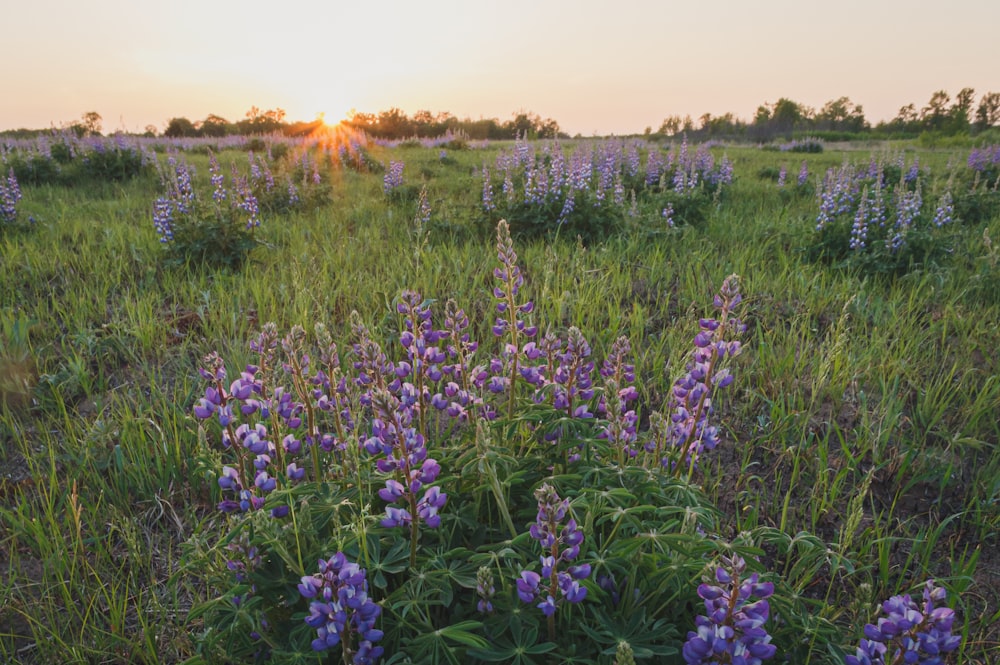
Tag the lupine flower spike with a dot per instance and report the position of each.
(340, 609)
(560, 546)
(909, 633)
(732, 629)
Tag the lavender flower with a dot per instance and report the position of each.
(619, 391)
(782, 174)
(163, 218)
(909, 633)
(10, 194)
(732, 628)
(509, 308)
(560, 545)
(803, 174)
(393, 178)
(340, 610)
(689, 430)
(945, 212)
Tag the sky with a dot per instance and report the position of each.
(596, 67)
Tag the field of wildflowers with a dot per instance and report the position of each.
(332, 400)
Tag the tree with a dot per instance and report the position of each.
(935, 114)
(988, 112)
(907, 116)
(91, 122)
(214, 125)
(179, 128)
(670, 126)
(841, 114)
(962, 108)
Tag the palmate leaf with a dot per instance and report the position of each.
(647, 638)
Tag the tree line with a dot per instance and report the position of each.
(838, 119)
(843, 119)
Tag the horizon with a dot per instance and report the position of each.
(593, 71)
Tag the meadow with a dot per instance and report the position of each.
(337, 400)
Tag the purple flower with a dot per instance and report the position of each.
(341, 611)
(732, 628)
(560, 544)
(909, 633)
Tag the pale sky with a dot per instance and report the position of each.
(596, 67)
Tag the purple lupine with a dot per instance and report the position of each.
(163, 218)
(340, 610)
(218, 189)
(913, 173)
(422, 366)
(945, 212)
(654, 167)
(908, 205)
(245, 201)
(859, 230)
(571, 378)
(909, 633)
(403, 455)
(462, 381)
(10, 194)
(181, 189)
(619, 392)
(393, 178)
(782, 174)
(558, 581)
(803, 173)
(732, 628)
(509, 322)
(668, 215)
(690, 431)
(488, 204)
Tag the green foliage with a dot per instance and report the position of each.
(848, 378)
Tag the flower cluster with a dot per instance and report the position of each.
(340, 610)
(588, 189)
(393, 178)
(984, 158)
(619, 393)
(561, 545)
(689, 431)
(404, 455)
(10, 194)
(909, 633)
(732, 628)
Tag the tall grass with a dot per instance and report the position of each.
(860, 445)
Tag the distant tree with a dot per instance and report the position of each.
(91, 122)
(261, 122)
(150, 131)
(841, 115)
(670, 126)
(394, 124)
(180, 128)
(214, 125)
(988, 111)
(786, 114)
(907, 116)
(935, 115)
(961, 110)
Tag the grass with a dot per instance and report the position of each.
(860, 447)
